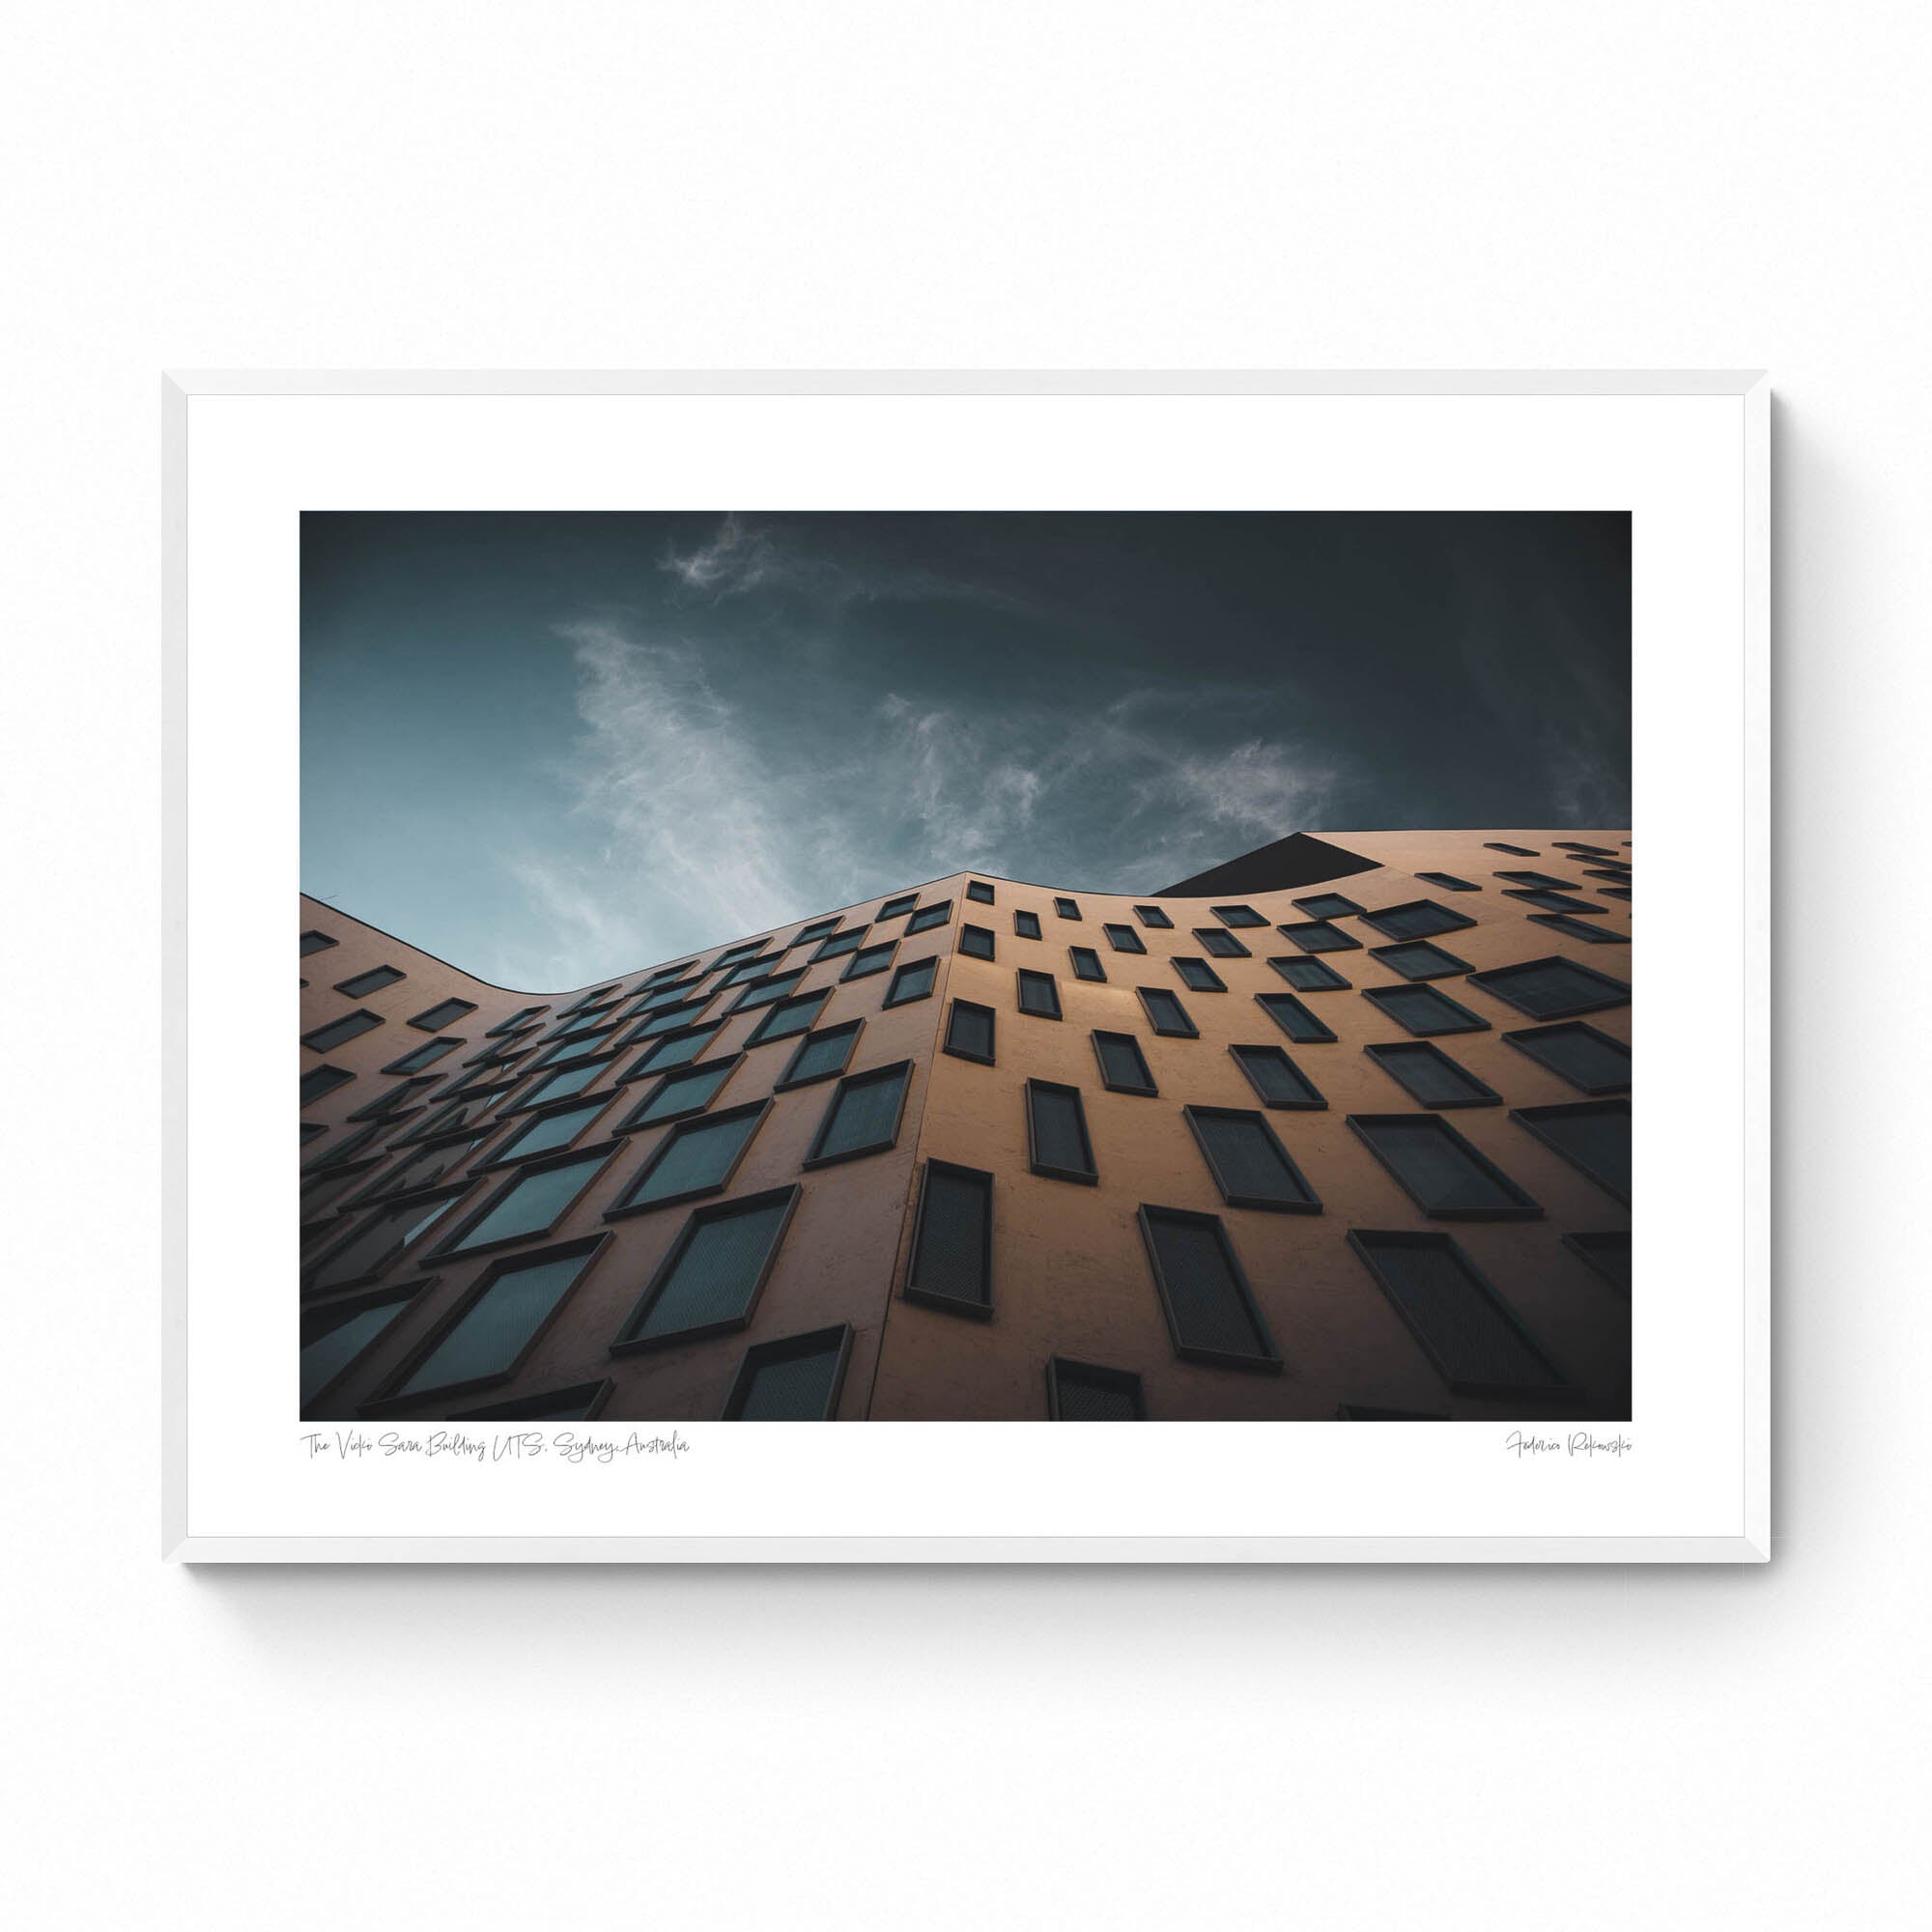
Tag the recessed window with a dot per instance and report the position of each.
(1086, 963)
(977, 889)
(1428, 1074)
(1292, 1017)
(320, 1080)
(817, 929)
(820, 1056)
(1319, 936)
(1210, 1310)
(522, 1017)
(1541, 900)
(398, 1094)
(1426, 1010)
(1468, 1330)
(371, 981)
(969, 1032)
(514, 1303)
(678, 1049)
(1222, 944)
(1447, 882)
(696, 1157)
(1309, 975)
(560, 1085)
(912, 982)
(796, 1380)
(1618, 875)
(1237, 915)
(683, 1092)
(329, 1184)
(1520, 851)
(1276, 1078)
(1538, 881)
(892, 908)
(1165, 1013)
(1418, 959)
(1553, 989)
(585, 1001)
(788, 1017)
(579, 1044)
(1039, 995)
(738, 952)
(333, 1338)
(1442, 1172)
(1250, 1166)
(711, 1279)
(312, 1130)
(576, 1403)
(862, 1116)
(928, 917)
(1081, 1392)
(347, 1146)
(1198, 976)
(549, 1133)
(1577, 845)
(316, 942)
(1123, 939)
(1613, 892)
(840, 943)
(676, 972)
(871, 959)
(976, 942)
(767, 991)
(1058, 1145)
(744, 972)
(952, 1241)
(377, 1241)
(1154, 916)
(1066, 908)
(1610, 1254)
(1594, 1136)
(1590, 1060)
(1419, 919)
(339, 1032)
(446, 1013)
(673, 1018)
(1594, 934)
(1327, 906)
(419, 1057)
(421, 1169)
(1124, 1067)
(532, 1202)
(1026, 924)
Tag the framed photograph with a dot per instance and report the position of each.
(961, 904)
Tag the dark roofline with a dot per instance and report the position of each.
(1299, 859)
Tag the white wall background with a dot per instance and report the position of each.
(1383, 185)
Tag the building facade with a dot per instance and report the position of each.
(1339, 1131)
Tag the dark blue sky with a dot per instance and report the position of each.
(550, 748)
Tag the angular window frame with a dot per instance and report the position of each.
(1026, 977)
(1149, 1090)
(864, 963)
(763, 1029)
(633, 1123)
(595, 1159)
(980, 891)
(1320, 935)
(766, 992)
(1389, 1055)
(895, 908)
(323, 942)
(1458, 921)
(327, 1037)
(338, 1313)
(1471, 1022)
(1520, 1038)
(1520, 1205)
(1239, 916)
(1122, 938)
(1087, 1177)
(929, 918)
(444, 1013)
(1220, 943)
(372, 980)
(1533, 1121)
(904, 975)
(1204, 979)
(1154, 917)
(1317, 1031)
(1452, 965)
(1308, 1203)
(319, 1082)
(312, 1289)
(506, 1155)
(1026, 924)
(1590, 1248)
(789, 1080)
(1268, 1362)
(1149, 996)
(836, 1341)
(1082, 957)
(1568, 927)
(1324, 907)
(987, 1059)
(629, 1342)
(976, 942)
(900, 1070)
(1447, 882)
(1316, 1103)
(1065, 908)
(926, 1297)
(1286, 965)
(645, 1068)
(1494, 981)
(1123, 1382)
(626, 1206)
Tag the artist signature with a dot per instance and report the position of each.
(1579, 1443)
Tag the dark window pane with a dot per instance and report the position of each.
(1319, 936)
(794, 1381)
(864, 1116)
(1039, 995)
(1292, 1017)
(928, 917)
(979, 889)
(969, 1031)
(1553, 901)
(1222, 944)
(377, 1240)
(1276, 1078)
(1424, 1009)
(1431, 1077)
(563, 1083)
(1207, 1308)
(871, 959)
(333, 1339)
(1199, 977)
(1419, 919)
(1579, 928)
(1309, 976)
(1592, 1061)
(712, 1274)
(1152, 916)
(320, 1080)
(777, 987)
(1123, 939)
(787, 1017)
(1418, 959)
(842, 943)
(892, 908)
(1327, 906)
(446, 1013)
(1540, 880)
(952, 1254)
(976, 942)
(1026, 924)
(1553, 989)
(314, 942)
(371, 981)
(697, 1157)
(1086, 963)
(1122, 1065)
(1082, 1393)
(1237, 915)
(679, 1048)
(1066, 908)
(533, 1202)
(1250, 1166)
(339, 1032)
(549, 1132)
(689, 1089)
(496, 1329)
(821, 1055)
(1521, 851)
(1166, 1014)
(1439, 1170)
(1594, 1136)
(1608, 1254)
(1057, 1128)
(1448, 882)
(912, 982)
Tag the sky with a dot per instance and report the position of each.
(552, 748)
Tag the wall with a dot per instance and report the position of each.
(1225, 184)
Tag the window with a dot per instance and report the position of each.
(1124, 1067)
(423, 1168)
(862, 1116)
(377, 1241)
(398, 1094)
(1026, 924)
(1276, 1078)
(1520, 851)
(1544, 899)
(793, 1381)
(329, 1184)
(676, 972)
(1541, 881)
(1058, 1145)
(419, 1057)
(788, 1017)
(1448, 882)
(1123, 939)
(1066, 908)
(1222, 944)
(1250, 1166)
(746, 971)
(685, 1090)
(1039, 995)
(333, 1338)
(1327, 906)
(766, 992)
(531, 1202)
(840, 943)
(1292, 1017)
(1577, 845)
(819, 1056)
(976, 942)
(1579, 928)
(339, 1032)
(1608, 1254)
(1198, 976)
(1618, 875)
(1309, 975)
(1165, 1013)
(969, 1032)
(679, 1049)
(560, 1085)
(1447, 1177)
(817, 929)
(1086, 963)
(738, 952)
(1419, 919)
(314, 942)
(1319, 936)
(1080, 1392)
(1424, 1011)
(1553, 989)
(521, 1017)
(1428, 1074)
(1417, 959)
(312, 1130)
(1594, 1136)
(871, 959)
(1613, 892)
(547, 1133)
(1212, 1314)
(711, 1279)
(320, 1080)
(1591, 1061)
(1152, 916)
(952, 1241)
(696, 1157)
(447, 1013)
(578, 1403)
(1239, 914)
(912, 982)
(1467, 1329)
(1355, 1412)
(578, 1045)
(892, 908)
(494, 1331)
(977, 889)
(928, 917)
(371, 981)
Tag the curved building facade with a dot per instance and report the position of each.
(1337, 1131)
